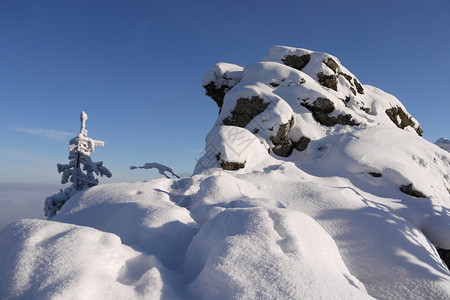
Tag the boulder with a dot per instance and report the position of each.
(329, 81)
(296, 62)
(402, 119)
(245, 110)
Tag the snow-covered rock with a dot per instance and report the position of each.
(312, 186)
(231, 148)
(443, 143)
(296, 95)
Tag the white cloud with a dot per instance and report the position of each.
(47, 133)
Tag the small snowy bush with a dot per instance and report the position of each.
(81, 178)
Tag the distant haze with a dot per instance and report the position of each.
(19, 201)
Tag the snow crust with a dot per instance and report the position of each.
(358, 214)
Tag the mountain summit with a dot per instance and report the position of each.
(312, 185)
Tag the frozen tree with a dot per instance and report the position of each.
(80, 170)
(161, 168)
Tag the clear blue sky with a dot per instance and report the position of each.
(136, 67)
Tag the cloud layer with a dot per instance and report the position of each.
(19, 201)
(47, 133)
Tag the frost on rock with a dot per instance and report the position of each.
(162, 169)
(80, 171)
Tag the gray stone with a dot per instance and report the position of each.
(302, 143)
(329, 81)
(282, 144)
(246, 109)
(358, 86)
(396, 113)
(348, 77)
(296, 62)
(217, 94)
(322, 107)
(330, 63)
(408, 189)
(232, 166)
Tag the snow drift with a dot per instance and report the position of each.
(312, 186)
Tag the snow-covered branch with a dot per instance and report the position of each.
(79, 171)
(162, 169)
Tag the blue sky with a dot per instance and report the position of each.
(136, 68)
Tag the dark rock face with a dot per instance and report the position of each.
(232, 166)
(274, 84)
(331, 121)
(331, 64)
(282, 144)
(408, 189)
(302, 143)
(217, 94)
(329, 81)
(296, 62)
(245, 110)
(365, 109)
(375, 174)
(445, 256)
(322, 107)
(396, 113)
(348, 77)
(358, 86)
(346, 101)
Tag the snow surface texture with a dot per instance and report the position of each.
(351, 211)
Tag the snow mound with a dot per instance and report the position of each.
(131, 241)
(287, 243)
(51, 260)
(231, 148)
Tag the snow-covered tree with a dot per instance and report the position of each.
(80, 171)
(162, 169)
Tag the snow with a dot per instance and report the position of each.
(331, 221)
(287, 243)
(231, 144)
(223, 74)
(443, 143)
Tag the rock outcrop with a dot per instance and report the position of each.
(295, 96)
(220, 79)
(401, 119)
(245, 110)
